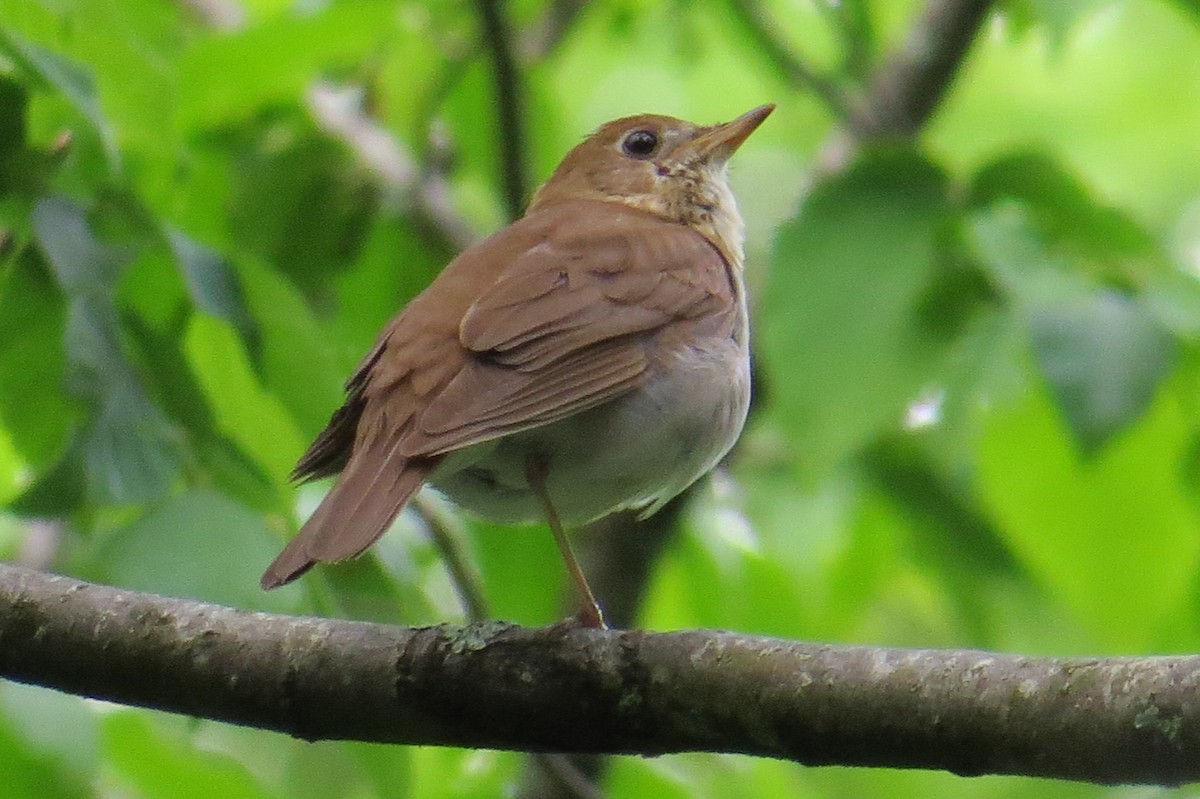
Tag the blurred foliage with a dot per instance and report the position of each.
(978, 420)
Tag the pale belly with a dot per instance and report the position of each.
(637, 451)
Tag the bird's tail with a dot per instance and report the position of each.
(363, 503)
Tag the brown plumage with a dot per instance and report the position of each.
(602, 336)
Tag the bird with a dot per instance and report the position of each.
(593, 356)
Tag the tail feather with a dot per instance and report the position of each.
(363, 503)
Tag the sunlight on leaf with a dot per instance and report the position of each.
(244, 411)
(1112, 536)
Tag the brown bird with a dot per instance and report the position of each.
(591, 357)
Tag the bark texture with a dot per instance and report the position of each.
(562, 689)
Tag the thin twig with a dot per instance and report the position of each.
(797, 70)
(510, 118)
(910, 84)
(541, 39)
(446, 534)
(569, 777)
(220, 15)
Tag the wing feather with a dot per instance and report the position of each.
(567, 326)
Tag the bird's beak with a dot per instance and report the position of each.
(721, 141)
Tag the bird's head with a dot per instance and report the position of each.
(666, 166)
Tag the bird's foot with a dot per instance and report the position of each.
(590, 616)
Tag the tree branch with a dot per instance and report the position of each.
(510, 120)
(578, 690)
(339, 112)
(907, 88)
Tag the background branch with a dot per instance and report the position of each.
(510, 121)
(765, 32)
(447, 535)
(567, 689)
(423, 188)
(908, 86)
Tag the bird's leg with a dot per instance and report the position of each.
(536, 470)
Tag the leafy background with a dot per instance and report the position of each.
(977, 415)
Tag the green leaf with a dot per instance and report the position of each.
(1174, 299)
(1091, 239)
(296, 360)
(178, 391)
(527, 549)
(244, 411)
(14, 475)
(82, 265)
(1102, 352)
(240, 476)
(1112, 536)
(325, 770)
(33, 774)
(213, 284)
(57, 491)
(843, 333)
(33, 406)
(14, 105)
(1058, 17)
(170, 379)
(200, 545)
(1189, 7)
(388, 768)
(1104, 356)
(957, 537)
(131, 450)
(397, 261)
(645, 777)
(448, 773)
(154, 758)
(54, 724)
(303, 206)
(224, 78)
(71, 80)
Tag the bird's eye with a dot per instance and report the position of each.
(640, 144)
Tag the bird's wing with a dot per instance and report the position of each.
(568, 324)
